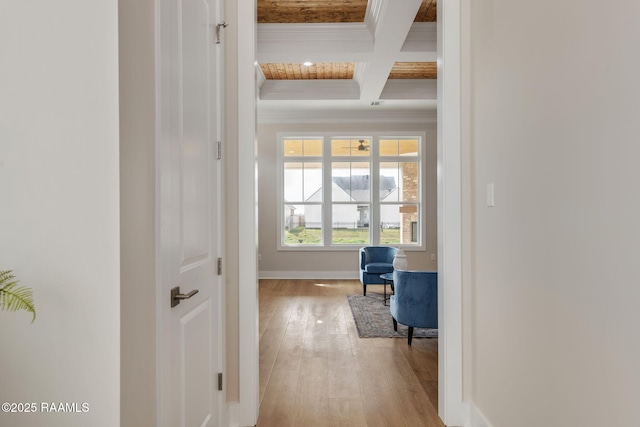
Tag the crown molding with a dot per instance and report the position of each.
(347, 116)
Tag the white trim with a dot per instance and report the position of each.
(467, 200)
(422, 38)
(477, 418)
(345, 248)
(451, 408)
(334, 42)
(287, 90)
(314, 275)
(372, 15)
(400, 89)
(247, 208)
(336, 115)
(232, 415)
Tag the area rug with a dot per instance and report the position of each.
(373, 319)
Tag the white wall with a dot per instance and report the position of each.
(59, 217)
(342, 264)
(555, 107)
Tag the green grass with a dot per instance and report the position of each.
(341, 236)
(308, 236)
(390, 236)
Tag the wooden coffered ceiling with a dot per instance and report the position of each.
(344, 70)
(427, 11)
(319, 71)
(414, 70)
(363, 53)
(325, 11)
(311, 11)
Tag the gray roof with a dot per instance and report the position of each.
(357, 186)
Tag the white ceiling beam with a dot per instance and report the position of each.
(340, 42)
(351, 42)
(309, 90)
(393, 21)
(422, 37)
(333, 114)
(403, 89)
(420, 44)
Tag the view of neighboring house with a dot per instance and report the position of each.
(351, 205)
(346, 189)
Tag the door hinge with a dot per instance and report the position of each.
(218, 28)
(219, 150)
(219, 266)
(220, 381)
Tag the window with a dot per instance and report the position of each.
(340, 192)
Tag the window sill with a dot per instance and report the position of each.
(345, 248)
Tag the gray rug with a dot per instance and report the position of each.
(373, 319)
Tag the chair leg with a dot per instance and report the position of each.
(395, 325)
(364, 290)
(410, 334)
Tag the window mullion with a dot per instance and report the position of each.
(374, 226)
(327, 215)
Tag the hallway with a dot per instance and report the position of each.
(316, 371)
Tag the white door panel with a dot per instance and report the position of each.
(196, 132)
(199, 392)
(188, 231)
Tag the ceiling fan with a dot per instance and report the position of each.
(362, 147)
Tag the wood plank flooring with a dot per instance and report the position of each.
(316, 371)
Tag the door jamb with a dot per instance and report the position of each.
(453, 194)
(247, 214)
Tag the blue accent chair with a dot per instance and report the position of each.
(374, 261)
(415, 302)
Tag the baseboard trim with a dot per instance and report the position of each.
(476, 418)
(314, 275)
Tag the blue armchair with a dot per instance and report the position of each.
(374, 261)
(415, 302)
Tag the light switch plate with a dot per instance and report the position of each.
(490, 197)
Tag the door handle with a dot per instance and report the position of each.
(176, 296)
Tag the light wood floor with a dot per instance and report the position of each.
(316, 371)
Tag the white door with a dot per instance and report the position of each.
(188, 230)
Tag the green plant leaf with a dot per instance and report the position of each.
(14, 297)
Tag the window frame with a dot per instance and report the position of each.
(374, 160)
